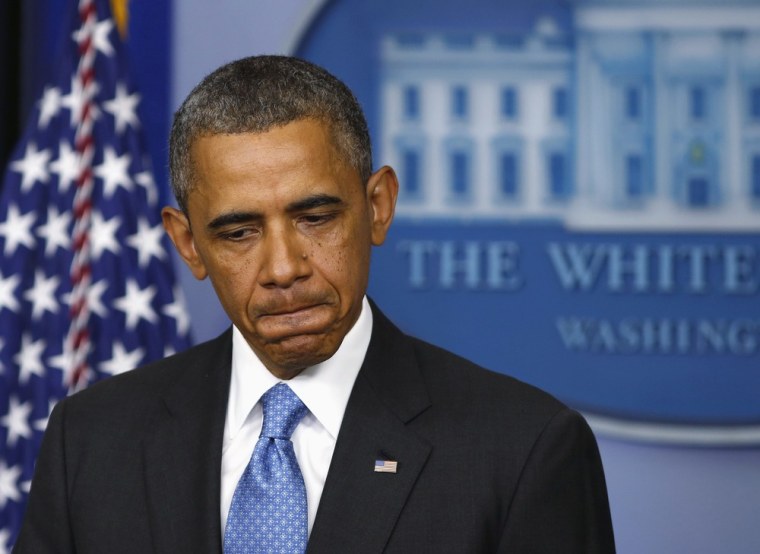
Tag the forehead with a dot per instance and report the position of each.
(284, 160)
(298, 141)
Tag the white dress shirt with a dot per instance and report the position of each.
(323, 388)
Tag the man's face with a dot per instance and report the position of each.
(283, 227)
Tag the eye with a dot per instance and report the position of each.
(316, 219)
(237, 234)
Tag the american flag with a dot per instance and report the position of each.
(87, 288)
(386, 466)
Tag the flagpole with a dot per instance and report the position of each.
(81, 274)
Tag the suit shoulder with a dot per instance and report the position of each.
(466, 390)
(139, 386)
(463, 381)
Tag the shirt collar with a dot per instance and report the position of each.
(324, 388)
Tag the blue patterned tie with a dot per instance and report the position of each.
(268, 511)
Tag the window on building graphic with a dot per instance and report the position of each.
(509, 41)
(459, 102)
(459, 41)
(698, 103)
(411, 101)
(459, 167)
(754, 103)
(410, 40)
(509, 107)
(560, 103)
(634, 176)
(698, 191)
(559, 183)
(755, 177)
(633, 103)
(509, 174)
(411, 174)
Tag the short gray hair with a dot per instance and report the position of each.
(256, 94)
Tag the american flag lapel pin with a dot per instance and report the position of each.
(385, 466)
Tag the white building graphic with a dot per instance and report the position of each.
(646, 115)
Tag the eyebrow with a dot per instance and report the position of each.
(303, 204)
(232, 218)
(313, 201)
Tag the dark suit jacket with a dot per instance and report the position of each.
(485, 463)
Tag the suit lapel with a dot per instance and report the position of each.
(183, 498)
(359, 507)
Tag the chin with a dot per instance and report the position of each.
(294, 354)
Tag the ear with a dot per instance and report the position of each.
(178, 228)
(382, 191)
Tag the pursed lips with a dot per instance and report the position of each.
(286, 322)
(287, 311)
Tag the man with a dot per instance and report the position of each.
(396, 445)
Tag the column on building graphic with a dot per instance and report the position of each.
(698, 85)
(479, 124)
(749, 121)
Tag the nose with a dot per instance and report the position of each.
(284, 259)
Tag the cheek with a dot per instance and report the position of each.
(233, 276)
(338, 249)
(344, 264)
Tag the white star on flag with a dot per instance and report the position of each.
(177, 311)
(94, 298)
(98, 31)
(121, 360)
(41, 423)
(29, 358)
(63, 360)
(136, 304)
(145, 180)
(33, 166)
(7, 292)
(66, 166)
(5, 536)
(75, 100)
(123, 107)
(55, 231)
(103, 235)
(147, 242)
(42, 294)
(50, 105)
(17, 420)
(25, 486)
(17, 230)
(8, 479)
(114, 170)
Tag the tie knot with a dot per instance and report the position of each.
(282, 412)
